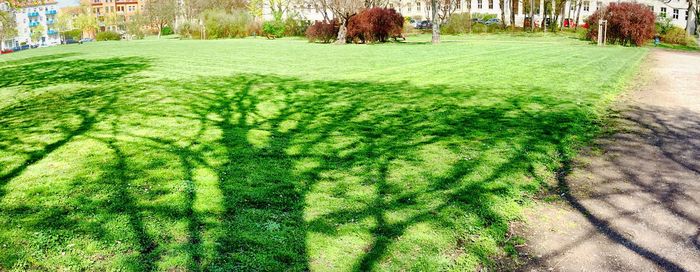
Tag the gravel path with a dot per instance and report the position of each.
(634, 199)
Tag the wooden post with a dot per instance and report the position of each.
(600, 32)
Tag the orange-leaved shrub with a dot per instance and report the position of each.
(628, 23)
(375, 25)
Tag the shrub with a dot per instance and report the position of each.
(75, 34)
(108, 36)
(186, 29)
(273, 28)
(324, 32)
(677, 35)
(220, 24)
(628, 23)
(663, 24)
(458, 23)
(167, 30)
(375, 25)
(295, 27)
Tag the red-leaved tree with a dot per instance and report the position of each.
(324, 32)
(375, 25)
(628, 23)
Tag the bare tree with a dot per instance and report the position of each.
(578, 13)
(161, 13)
(343, 10)
(436, 22)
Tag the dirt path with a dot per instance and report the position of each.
(634, 201)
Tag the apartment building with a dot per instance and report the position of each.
(35, 23)
(119, 10)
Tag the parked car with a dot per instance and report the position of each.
(6, 51)
(69, 41)
(85, 40)
(492, 21)
(425, 25)
(414, 23)
(20, 48)
(477, 21)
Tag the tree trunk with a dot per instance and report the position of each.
(502, 6)
(342, 32)
(532, 15)
(690, 24)
(513, 6)
(469, 17)
(578, 13)
(160, 30)
(436, 22)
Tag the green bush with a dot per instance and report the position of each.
(108, 36)
(166, 31)
(220, 24)
(75, 34)
(663, 25)
(294, 26)
(274, 29)
(457, 24)
(677, 35)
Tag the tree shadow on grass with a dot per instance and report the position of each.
(302, 166)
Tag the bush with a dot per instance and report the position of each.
(274, 29)
(677, 35)
(167, 30)
(75, 34)
(295, 27)
(628, 23)
(375, 25)
(108, 36)
(324, 32)
(458, 23)
(220, 24)
(663, 25)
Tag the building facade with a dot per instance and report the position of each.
(675, 10)
(111, 14)
(35, 23)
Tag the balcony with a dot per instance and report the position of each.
(33, 24)
(33, 14)
(51, 12)
(52, 32)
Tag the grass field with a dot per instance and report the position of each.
(288, 156)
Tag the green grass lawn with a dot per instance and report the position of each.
(282, 155)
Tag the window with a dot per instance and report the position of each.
(516, 7)
(469, 4)
(417, 6)
(663, 12)
(120, 8)
(675, 13)
(598, 5)
(651, 8)
(586, 5)
(572, 6)
(686, 15)
(479, 4)
(491, 4)
(458, 4)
